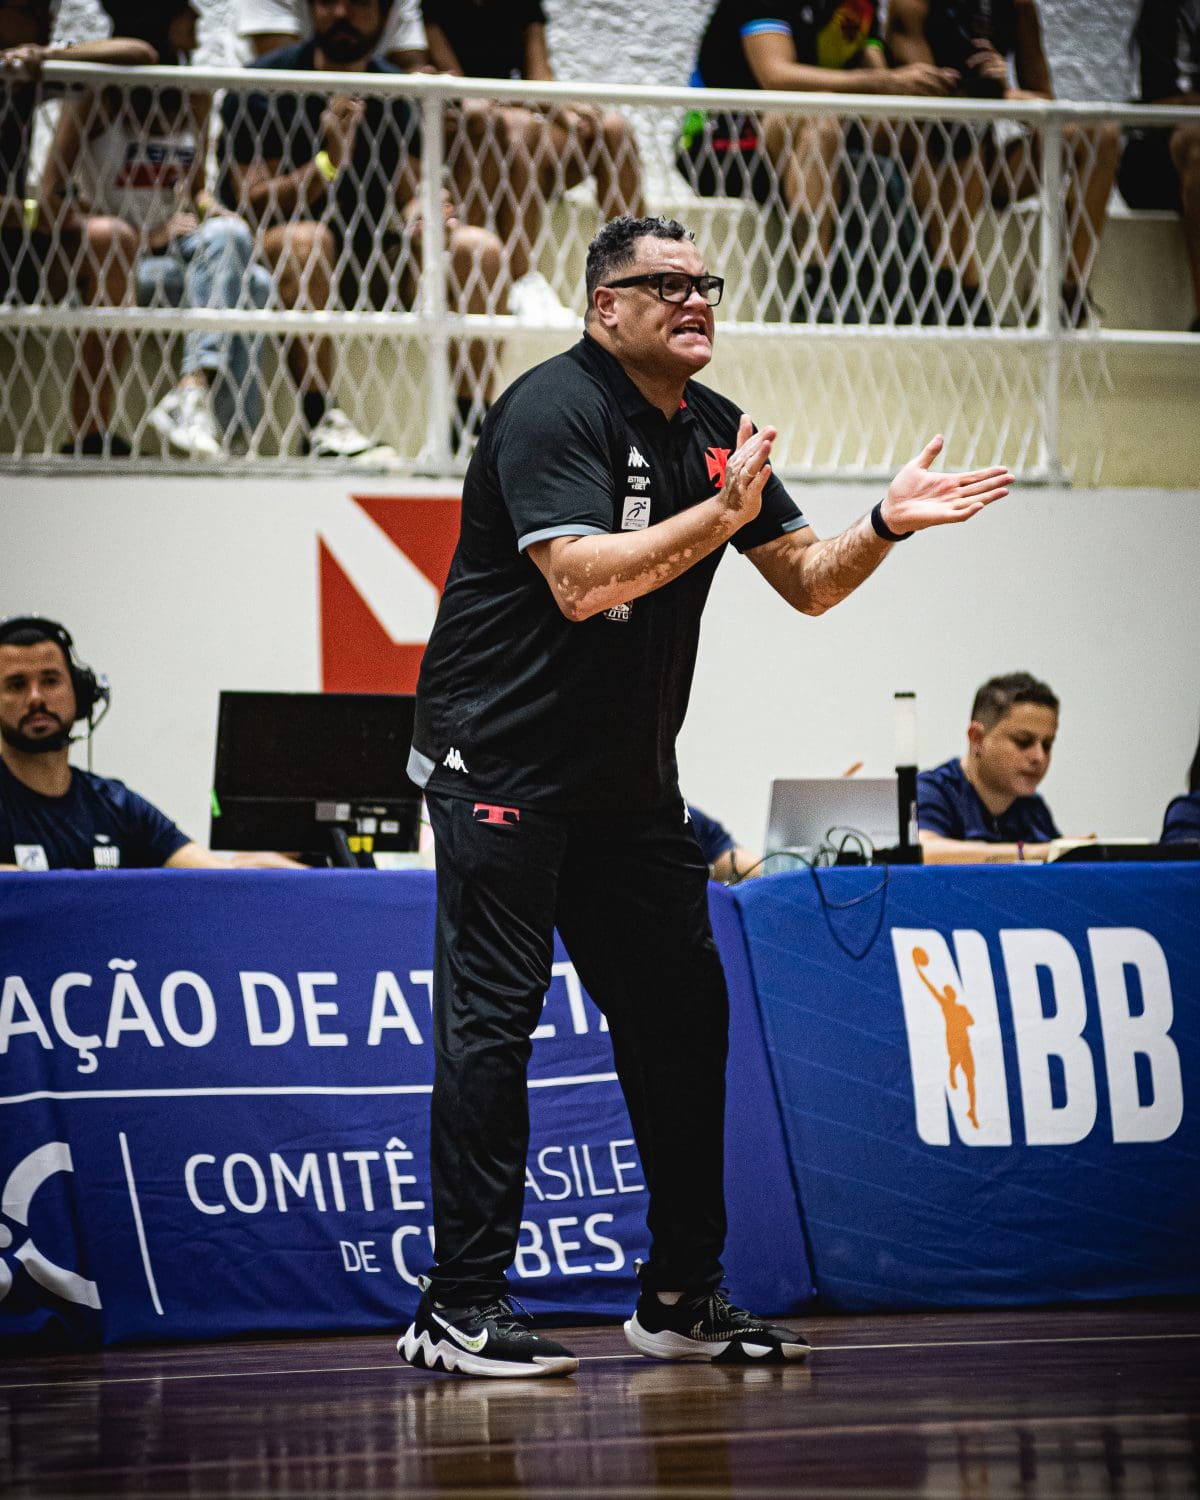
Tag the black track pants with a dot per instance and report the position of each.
(629, 897)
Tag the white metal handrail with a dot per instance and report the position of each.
(440, 329)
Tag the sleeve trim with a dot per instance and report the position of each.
(568, 528)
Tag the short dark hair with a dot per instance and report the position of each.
(999, 695)
(28, 633)
(32, 633)
(612, 249)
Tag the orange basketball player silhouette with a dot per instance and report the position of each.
(958, 1045)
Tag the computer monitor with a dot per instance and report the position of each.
(809, 812)
(305, 772)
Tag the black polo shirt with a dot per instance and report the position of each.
(488, 38)
(517, 704)
(826, 33)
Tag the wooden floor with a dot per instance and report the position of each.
(1102, 1401)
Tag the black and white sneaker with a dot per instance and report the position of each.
(709, 1326)
(485, 1340)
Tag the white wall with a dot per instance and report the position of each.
(177, 588)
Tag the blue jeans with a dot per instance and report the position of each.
(214, 267)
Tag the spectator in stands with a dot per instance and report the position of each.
(727, 861)
(54, 816)
(960, 168)
(984, 808)
(332, 184)
(29, 268)
(1181, 824)
(508, 159)
(266, 25)
(126, 174)
(1161, 168)
(809, 46)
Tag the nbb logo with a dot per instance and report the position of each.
(955, 1035)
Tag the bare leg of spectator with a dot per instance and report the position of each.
(531, 163)
(301, 256)
(1089, 170)
(1093, 152)
(1185, 153)
(491, 186)
(804, 154)
(948, 195)
(599, 143)
(104, 280)
(476, 286)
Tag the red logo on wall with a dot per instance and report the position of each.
(357, 654)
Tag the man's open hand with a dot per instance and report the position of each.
(918, 498)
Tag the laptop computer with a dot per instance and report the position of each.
(808, 812)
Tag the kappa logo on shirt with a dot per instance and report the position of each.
(635, 460)
(635, 514)
(454, 761)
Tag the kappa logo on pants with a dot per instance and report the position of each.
(490, 812)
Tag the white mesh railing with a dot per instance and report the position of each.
(379, 254)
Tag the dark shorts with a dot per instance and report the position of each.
(722, 156)
(23, 258)
(370, 280)
(950, 140)
(1147, 177)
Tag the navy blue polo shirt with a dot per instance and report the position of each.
(1181, 823)
(949, 805)
(516, 703)
(713, 837)
(98, 825)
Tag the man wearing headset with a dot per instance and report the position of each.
(53, 816)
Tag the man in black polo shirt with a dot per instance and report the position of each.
(595, 510)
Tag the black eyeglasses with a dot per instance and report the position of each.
(674, 286)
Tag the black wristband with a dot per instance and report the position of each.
(882, 529)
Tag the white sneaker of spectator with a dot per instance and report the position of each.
(532, 300)
(335, 436)
(185, 418)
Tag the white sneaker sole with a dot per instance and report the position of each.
(442, 1354)
(668, 1345)
(165, 428)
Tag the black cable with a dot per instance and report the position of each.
(866, 849)
(827, 857)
